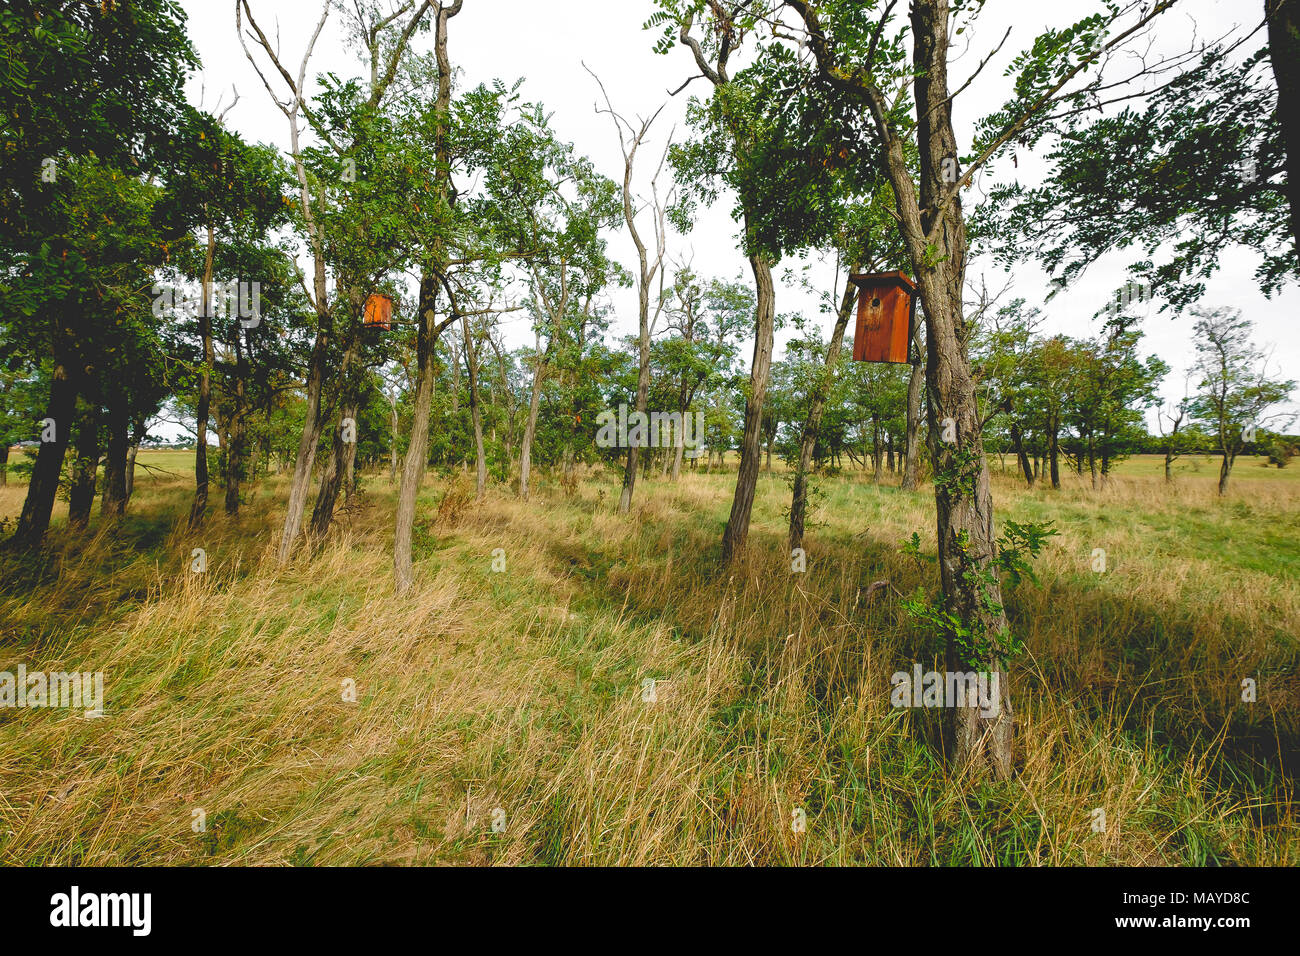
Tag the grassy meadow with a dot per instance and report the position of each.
(522, 691)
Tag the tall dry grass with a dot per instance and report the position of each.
(522, 691)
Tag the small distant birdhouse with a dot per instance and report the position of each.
(379, 311)
(886, 305)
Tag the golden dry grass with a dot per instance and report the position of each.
(522, 691)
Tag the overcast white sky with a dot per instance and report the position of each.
(545, 43)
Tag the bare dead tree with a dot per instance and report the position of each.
(630, 139)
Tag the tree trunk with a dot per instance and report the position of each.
(964, 501)
(81, 496)
(300, 482)
(912, 461)
(1017, 441)
(471, 359)
(427, 338)
(413, 469)
(237, 440)
(812, 427)
(130, 470)
(336, 465)
(349, 470)
(41, 492)
(115, 466)
(1054, 453)
(642, 395)
(877, 449)
(4, 461)
(334, 475)
(200, 505)
(509, 430)
(1284, 52)
(530, 427)
(742, 505)
(395, 423)
(236, 444)
(934, 232)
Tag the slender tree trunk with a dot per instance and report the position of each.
(200, 506)
(812, 427)
(336, 465)
(413, 468)
(395, 422)
(471, 359)
(642, 382)
(427, 338)
(509, 431)
(237, 440)
(130, 470)
(1054, 453)
(530, 427)
(4, 461)
(633, 453)
(334, 474)
(349, 472)
(236, 446)
(736, 534)
(1017, 441)
(81, 496)
(1225, 469)
(115, 466)
(877, 449)
(912, 460)
(300, 482)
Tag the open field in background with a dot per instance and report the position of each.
(522, 690)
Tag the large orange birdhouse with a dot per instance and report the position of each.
(379, 311)
(886, 306)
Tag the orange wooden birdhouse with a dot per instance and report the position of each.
(379, 311)
(886, 307)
